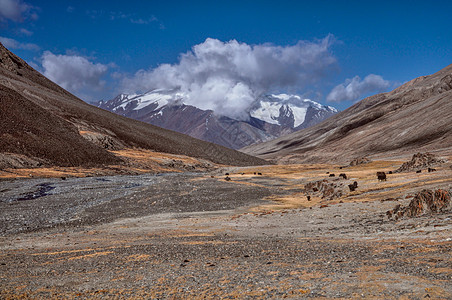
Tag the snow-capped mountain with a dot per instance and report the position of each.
(290, 111)
(153, 100)
(270, 116)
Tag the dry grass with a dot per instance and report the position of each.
(294, 177)
(145, 157)
(137, 161)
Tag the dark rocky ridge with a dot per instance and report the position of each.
(41, 120)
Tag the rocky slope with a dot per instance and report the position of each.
(414, 117)
(270, 116)
(43, 124)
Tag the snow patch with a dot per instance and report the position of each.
(299, 114)
(154, 98)
(268, 112)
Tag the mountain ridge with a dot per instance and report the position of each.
(269, 116)
(414, 116)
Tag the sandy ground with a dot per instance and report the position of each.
(189, 235)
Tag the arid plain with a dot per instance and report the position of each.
(200, 235)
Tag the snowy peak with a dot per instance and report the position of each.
(288, 110)
(152, 100)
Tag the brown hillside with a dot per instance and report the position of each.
(34, 132)
(45, 122)
(414, 117)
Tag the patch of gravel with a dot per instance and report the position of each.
(81, 201)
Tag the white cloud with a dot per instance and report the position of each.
(16, 10)
(121, 16)
(74, 73)
(144, 21)
(26, 32)
(227, 76)
(13, 44)
(353, 89)
(118, 15)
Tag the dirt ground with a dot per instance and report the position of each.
(197, 235)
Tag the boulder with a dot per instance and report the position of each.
(359, 161)
(424, 202)
(419, 161)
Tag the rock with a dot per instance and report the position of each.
(425, 201)
(325, 189)
(343, 175)
(103, 140)
(359, 161)
(419, 161)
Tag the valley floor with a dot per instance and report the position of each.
(196, 235)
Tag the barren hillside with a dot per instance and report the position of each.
(414, 117)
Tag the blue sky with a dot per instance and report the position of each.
(337, 52)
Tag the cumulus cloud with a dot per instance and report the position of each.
(74, 73)
(226, 77)
(16, 11)
(13, 44)
(353, 89)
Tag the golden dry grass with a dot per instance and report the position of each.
(294, 177)
(137, 161)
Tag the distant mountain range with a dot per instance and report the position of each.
(270, 116)
(414, 117)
